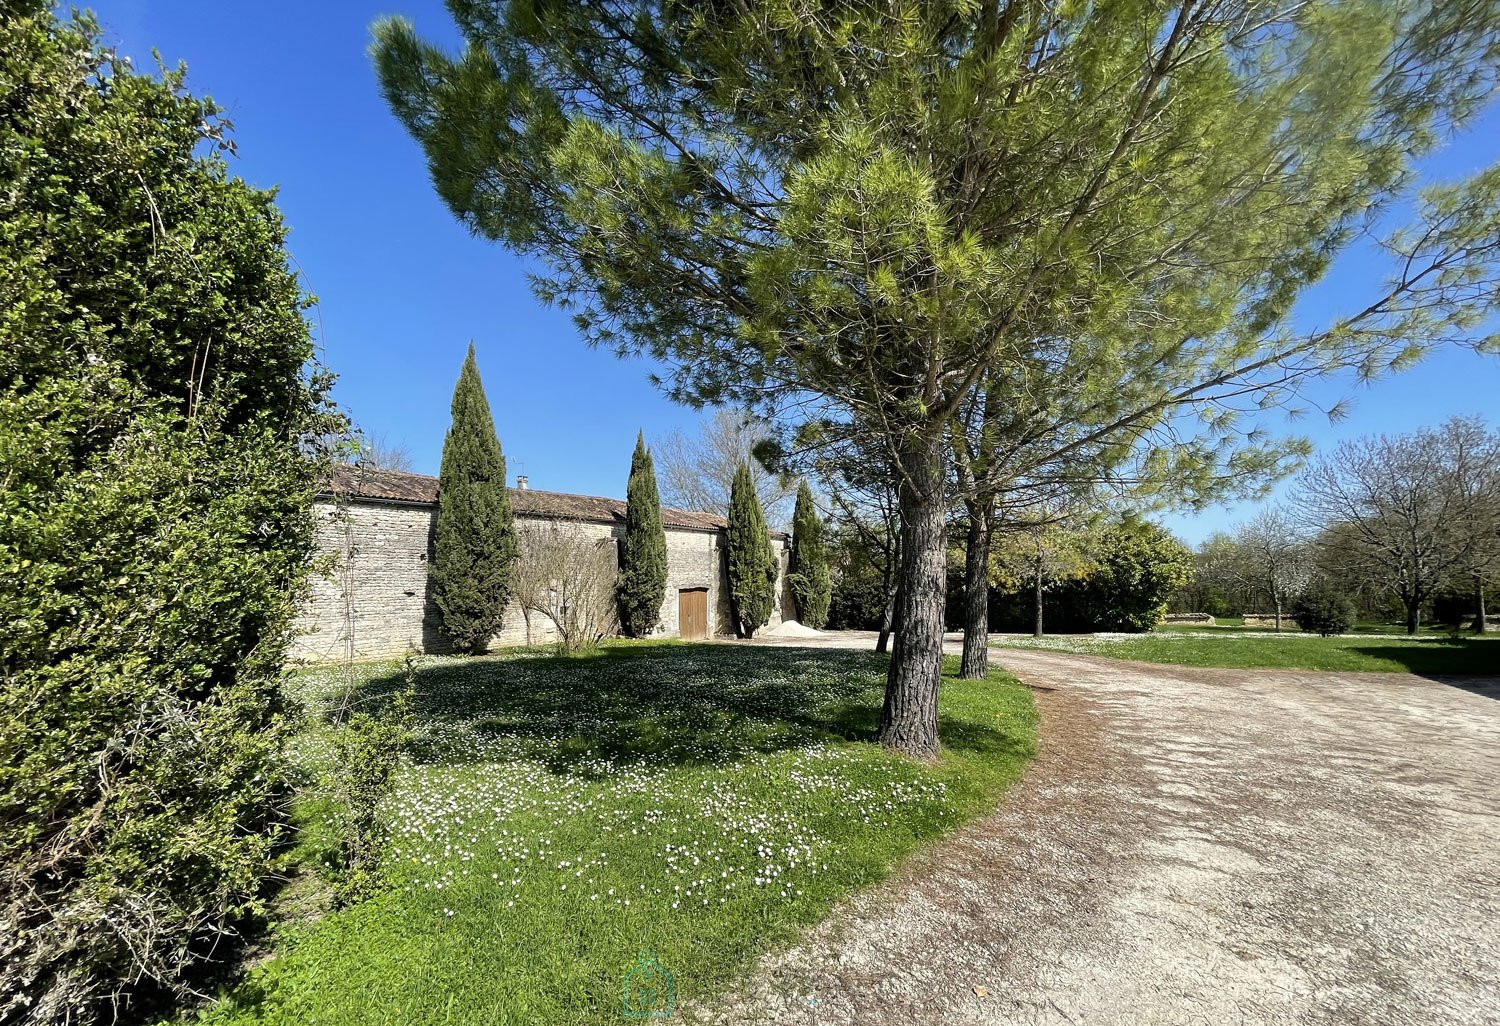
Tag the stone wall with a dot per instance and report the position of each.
(371, 596)
(723, 622)
(1267, 620)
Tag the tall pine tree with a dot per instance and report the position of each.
(808, 574)
(752, 561)
(475, 548)
(643, 573)
(869, 211)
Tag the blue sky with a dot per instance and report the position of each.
(403, 287)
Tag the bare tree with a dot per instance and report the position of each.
(376, 452)
(1272, 557)
(532, 579)
(1220, 577)
(696, 472)
(1412, 512)
(1475, 454)
(567, 576)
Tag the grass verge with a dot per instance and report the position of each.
(561, 816)
(1235, 625)
(1428, 656)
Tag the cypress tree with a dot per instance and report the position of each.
(474, 553)
(752, 562)
(643, 570)
(809, 576)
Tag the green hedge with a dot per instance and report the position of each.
(156, 401)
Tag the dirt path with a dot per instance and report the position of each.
(1193, 847)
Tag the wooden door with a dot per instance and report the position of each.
(692, 614)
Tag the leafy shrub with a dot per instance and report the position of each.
(156, 402)
(1323, 608)
(1137, 567)
(367, 752)
(1121, 579)
(859, 586)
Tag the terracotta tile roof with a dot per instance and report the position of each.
(363, 483)
(394, 486)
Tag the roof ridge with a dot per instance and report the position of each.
(410, 486)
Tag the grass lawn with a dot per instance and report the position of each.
(561, 816)
(1252, 649)
(1235, 625)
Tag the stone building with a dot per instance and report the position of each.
(371, 596)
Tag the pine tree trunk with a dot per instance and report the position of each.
(888, 614)
(976, 661)
(887, 618)
(1039, 626)
(1481, 625)
(908, 720)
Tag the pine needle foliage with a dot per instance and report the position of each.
(808, 572)
(867, 211)
(474, 544)
(643, 569)
(752, 560)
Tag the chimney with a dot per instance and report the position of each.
(521, 484)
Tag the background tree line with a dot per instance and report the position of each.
(1100, 575)
(1407, 527)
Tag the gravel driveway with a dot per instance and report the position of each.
(1192, 847)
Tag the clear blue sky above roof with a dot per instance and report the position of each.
(403, 287)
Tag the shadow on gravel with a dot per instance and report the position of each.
(1488, 687)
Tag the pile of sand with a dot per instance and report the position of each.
(791, 629)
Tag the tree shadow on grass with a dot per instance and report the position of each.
(1469, 663)
(967, 737)
(652, 705)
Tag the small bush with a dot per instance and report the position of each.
(1323, 609)
(367, 753)
(1138, 566)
